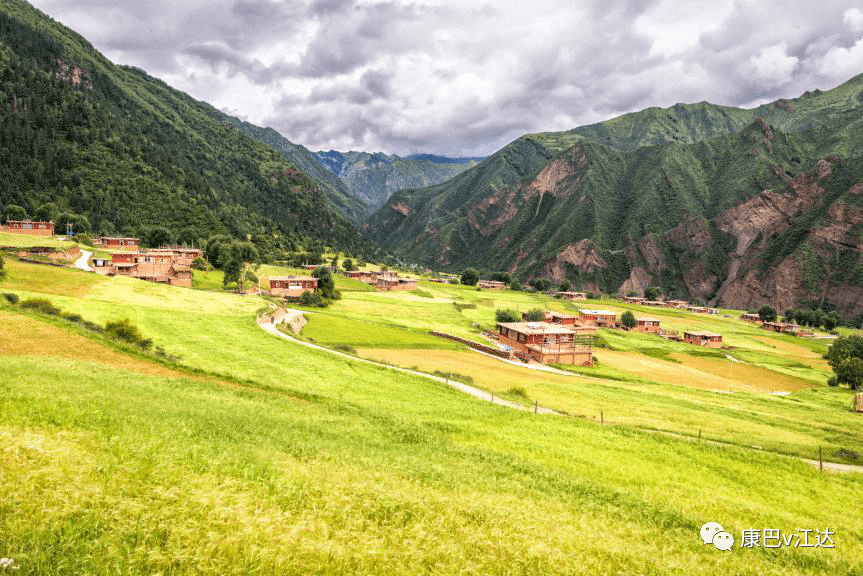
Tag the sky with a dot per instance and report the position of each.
(463, 78)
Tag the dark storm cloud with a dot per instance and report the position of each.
(446, 75)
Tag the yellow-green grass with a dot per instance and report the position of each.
(208, 280)
(334, 331)
(796, 424)
(48, 279)
(26, 240)
(110, 471)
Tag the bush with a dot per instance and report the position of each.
(652, 292)
(124, 331)
(309, 298)
(40, 305)
(199, 264)
(516, 285)
(832, 381)
(506, 315)
(628, 319)
(767, 313)
(535, 315)
(11, 298)
(565, 285)
(84, 239)
(542, 284)
(470, 277)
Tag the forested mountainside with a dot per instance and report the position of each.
(129, 153)
(374, 177)
(719, 204)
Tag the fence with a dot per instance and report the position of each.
(474, 345)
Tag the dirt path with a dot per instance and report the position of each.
(271, 326)
(81, 263)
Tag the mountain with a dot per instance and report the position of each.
(734, 206)
(374, 177)
(129, 153)
(353, 206)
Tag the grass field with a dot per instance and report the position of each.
(253, 455)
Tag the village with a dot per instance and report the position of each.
(557, 338)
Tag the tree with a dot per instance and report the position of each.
(845, 356)
(335, 262)
(565, 285)
(535, 315)
(214, 246)
(541, 284)
(501, 277)
(789, 315)
(516, 285)
(767, 313)
(348, 264)
(506, 315)
(470, 277)
(832, 319)
(15, 212)
(628, 319)
(326, 284)
(156, 236)
(46, 212)
(652, 292)
(232, 260)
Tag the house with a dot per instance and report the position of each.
(676, 303)
(654, 303)
(292, 287)
(560, 318)
(116, 242)
(781, 327)
(491, 284)
(548, 343)
(601, 318)
(698, 309)
(362, 276)
(30, 227)
(310, 266)
(706, 339)
(389, 281)
(152, 265)
(184, 255)
(633, 299)
(648, 325)
(573, 295)
(750, 317)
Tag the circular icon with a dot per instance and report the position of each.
(709, 530)
(723, 541)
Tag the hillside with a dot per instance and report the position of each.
(733, 206)
(128, 152)
(237, 452)
(374, 177)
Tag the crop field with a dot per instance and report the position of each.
(253, 455)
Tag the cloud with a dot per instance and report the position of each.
(449, 76)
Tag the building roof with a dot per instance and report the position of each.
(596, 312)
(702, 333)
(292, 278)
(574, 293)
(647, 319)
(536, 328)
(554, 314)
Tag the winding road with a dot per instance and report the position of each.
(81, 263)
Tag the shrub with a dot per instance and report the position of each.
(309, 298)
(767, 313)
(40, 305)
(84, 239)
(652, 292)
(628, 319)
(506, 315)
(518, 392)
(199, 264)
(124, 331)
(535, 315)
(542, 284)
(516, 285)
(11, 298)
(470, 277)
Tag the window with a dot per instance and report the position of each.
(521, 337)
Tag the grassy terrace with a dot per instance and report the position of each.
(252, 455)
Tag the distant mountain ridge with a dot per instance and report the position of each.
(720, 204)
(374, 176)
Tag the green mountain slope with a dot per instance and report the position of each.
(128, 152)
(705, 201)
(374, 177)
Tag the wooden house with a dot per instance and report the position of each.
(491, 284)
(654, 303)
(547, 343)
(633, 299)
(152, 265)
(361, 275)
(116, 242)
(750, 317)
(292, 287)
(573, 295)
(676, 303)
(30, 227)
(702, 338)
(648, 325)
(781, 327)
(697, 309)
(184, 255)
(600, 318)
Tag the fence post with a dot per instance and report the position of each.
(699, 434)
(601, 418)
(820, 460)
(535, 406)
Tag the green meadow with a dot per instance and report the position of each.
(249, 454)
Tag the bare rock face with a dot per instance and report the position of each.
(781, 288)
(582, 255)
(401, 208)
(652, 254)
(691, 235)
(638, 280)
(699, 282)
(560, 179)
